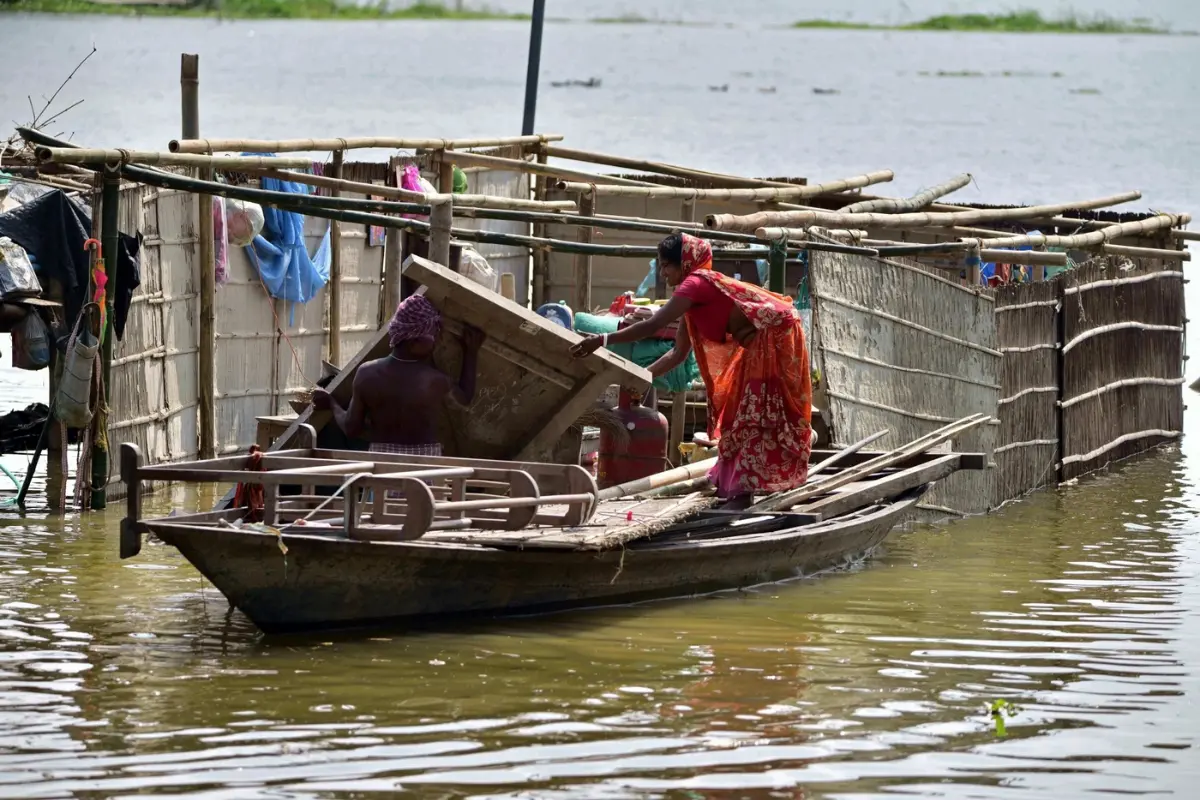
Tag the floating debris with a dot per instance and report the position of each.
(1085, 91)
(590, 83)
(721, 88)
(817, 90)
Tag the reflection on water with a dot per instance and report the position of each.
(1079, 607)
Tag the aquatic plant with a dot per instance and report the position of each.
(264, 9)
(1024, 21)
(998, 709)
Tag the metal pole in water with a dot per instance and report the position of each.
(535, 63)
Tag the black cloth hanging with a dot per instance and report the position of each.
(52, 229)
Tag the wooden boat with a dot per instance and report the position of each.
(397, 546)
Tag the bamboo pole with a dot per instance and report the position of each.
(659, 168)
(1094, 238)
(96, 157)
(804, 219)
(583, 261)
(1186, 236)
(110, 237)
(196, 145)
(888, 249)
(335, 270)
(473, 200)
(1147, 252)
(189, 80)
(914, 203)
(535, 168)
(539, 262)
(763, 194)
(662, 479)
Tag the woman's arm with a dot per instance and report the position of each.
(675, 356)
(664, 316)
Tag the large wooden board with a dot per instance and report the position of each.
(529, 388)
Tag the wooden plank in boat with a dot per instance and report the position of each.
(864, 493)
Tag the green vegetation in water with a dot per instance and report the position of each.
(998, 709)
(260, 9)
(1026, 21)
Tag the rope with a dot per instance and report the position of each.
(250, 495)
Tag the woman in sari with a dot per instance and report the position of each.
(750, 348)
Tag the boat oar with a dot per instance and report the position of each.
(671, 476)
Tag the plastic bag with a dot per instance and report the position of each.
(16, 270)
(243, 222)
(220, 241)
(646, 287)
(411, 180)
(31, 343)
(476, 267)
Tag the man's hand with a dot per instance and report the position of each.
(322, 400)
(589, 345)
(472, 339)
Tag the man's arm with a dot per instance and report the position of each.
(352, 421)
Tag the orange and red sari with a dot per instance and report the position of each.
(760, 395)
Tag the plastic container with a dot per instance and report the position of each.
(558, 313)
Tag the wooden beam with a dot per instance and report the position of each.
(196, 145)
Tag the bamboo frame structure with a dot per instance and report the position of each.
(96, 157)
(1147, 252)
(536, 168)
(764, 194)
(837, 219)
(352, 143)
(889, 249)
(471, 200)
(914, 203)
(1094, 238)
(660, 168)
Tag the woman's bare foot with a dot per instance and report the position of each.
(739, 503)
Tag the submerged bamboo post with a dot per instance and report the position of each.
(110, 242)
(764, 194)
(914, 203)
(335, 270)
(197, 145)
(583, 261)
(189, 79)
(803, 219)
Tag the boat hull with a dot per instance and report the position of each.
(325, 582)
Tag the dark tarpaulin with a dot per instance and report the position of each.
(53, 229)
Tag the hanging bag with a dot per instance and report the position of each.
(72, 404)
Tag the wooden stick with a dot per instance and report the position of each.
(1093, 238)
(659, 481)
(767, 193)
(914, 203)
(335, 270)
(60, 155)
(657, 167)
(785, 500)
(803, 219)
(473, 200)
(842, 455)
(1186, 236)
(1147, 252)
(352, 143)
(583, 261)
(537, 168)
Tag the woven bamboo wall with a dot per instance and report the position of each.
(1027, 443)
(152, 390)
(1122, 360)
(905, 350)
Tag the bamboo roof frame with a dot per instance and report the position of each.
(536, 168)
(660, 168)
(914, 203)
(801, 219)
(1094, 238)
(766, 194)
(351, 143)
(96, 157)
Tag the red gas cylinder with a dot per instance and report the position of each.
(646, 453)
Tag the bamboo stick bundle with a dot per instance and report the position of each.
(60, 155)
(660, 168)
(837, 219)
(657, 481)
(535, 168)
(763, 194)
(1094, 238)
(353, 143)
(915, 203)
(472, 200)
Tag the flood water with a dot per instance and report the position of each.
(1081, 607)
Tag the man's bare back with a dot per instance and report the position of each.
(397, 399)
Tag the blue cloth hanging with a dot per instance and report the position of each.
(287, 270)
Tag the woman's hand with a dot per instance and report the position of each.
(589, 345)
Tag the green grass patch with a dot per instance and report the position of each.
(1026, 21)
(261, 9)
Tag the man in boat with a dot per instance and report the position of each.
(397, 398)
